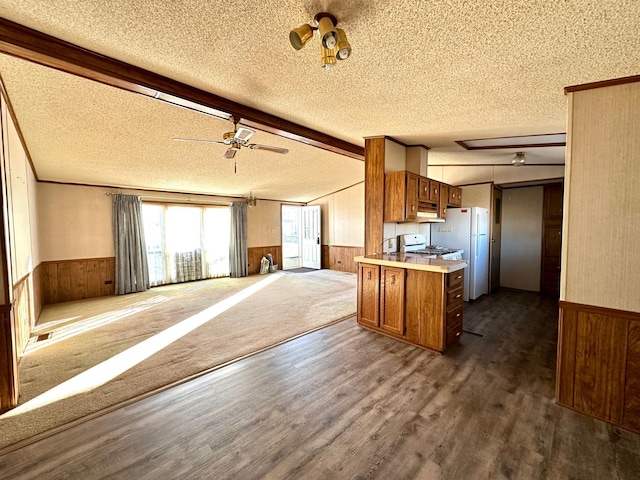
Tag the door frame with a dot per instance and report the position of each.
(494, 280)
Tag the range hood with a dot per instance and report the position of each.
(431, 217)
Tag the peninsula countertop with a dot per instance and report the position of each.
(413, 261)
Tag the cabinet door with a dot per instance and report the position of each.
(434, 191)
(368, 294)
(411, 201)
(444, 198)
(392, 300)
(424, 189)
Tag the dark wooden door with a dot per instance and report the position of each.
(551, 240)
(496, 235)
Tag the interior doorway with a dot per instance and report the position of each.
(496, 233)
(301, 237)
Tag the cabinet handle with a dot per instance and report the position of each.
(458, 296)
(368, 275)
(436, 190)
(458, 334)
(458, 277)
(457, 314)
(392, 279)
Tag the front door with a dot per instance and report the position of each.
(496, 231)
(311, 248)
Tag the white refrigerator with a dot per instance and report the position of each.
(467, 229)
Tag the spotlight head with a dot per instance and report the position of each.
(343, 47)
(300, 36)
(328, 33)
(328, 57)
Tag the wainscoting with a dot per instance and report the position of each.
(23, 313)
(68, 280)
(598, 370)
(255, 254)
(335, 257)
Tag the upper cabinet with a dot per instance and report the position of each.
(455, 196)
(409, 197)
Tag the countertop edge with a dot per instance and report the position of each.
(451, 266)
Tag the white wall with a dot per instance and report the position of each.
(521, 246)
(342, 217)
(74, 222)
(264, 224)
(601, 250)
(477, 195)
(458, 175)
(19, 183)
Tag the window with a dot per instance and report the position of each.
(185, 242)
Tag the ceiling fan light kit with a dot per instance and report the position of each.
(236, 140)
(334, 43)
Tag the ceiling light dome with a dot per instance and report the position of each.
(518, 160)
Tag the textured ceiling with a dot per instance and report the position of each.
(422, 72)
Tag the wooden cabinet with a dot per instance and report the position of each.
(444, 198)
(406, 194)
(454, 305)
(368, 294)
(455, 196)
(424, 189)
(420, 307)
(392, 299)
(401, 196)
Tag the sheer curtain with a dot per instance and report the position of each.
(238, 242)
(186, 242)
(132, 273)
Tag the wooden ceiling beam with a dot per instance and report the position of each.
(28, 44)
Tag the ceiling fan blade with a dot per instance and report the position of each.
(196, 140)
(268, 148)
(230, 153)
(243, 134)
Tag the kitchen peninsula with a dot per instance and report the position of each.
(411, 297)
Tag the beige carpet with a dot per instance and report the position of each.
(117, 348)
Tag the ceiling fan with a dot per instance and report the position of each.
(236, 140)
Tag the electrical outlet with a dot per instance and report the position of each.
(445, 229)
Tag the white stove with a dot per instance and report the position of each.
(417, 243)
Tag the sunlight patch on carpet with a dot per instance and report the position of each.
(106, 371)
(71, 330)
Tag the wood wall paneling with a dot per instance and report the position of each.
(255, 254)
(374, 154)
(566, 363)
(631, 417)
(22, 318)
(68, 280)
(600, 364)
(337, 257)
(598, 370)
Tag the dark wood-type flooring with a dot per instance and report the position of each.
(344, 402)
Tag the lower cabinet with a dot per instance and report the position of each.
(392, 299)
(368, 294)
(420, 307)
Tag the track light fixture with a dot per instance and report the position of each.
(335, 45)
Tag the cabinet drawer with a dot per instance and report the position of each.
(453, 335)
(455, 279)
(454, 318)
(454, 298)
